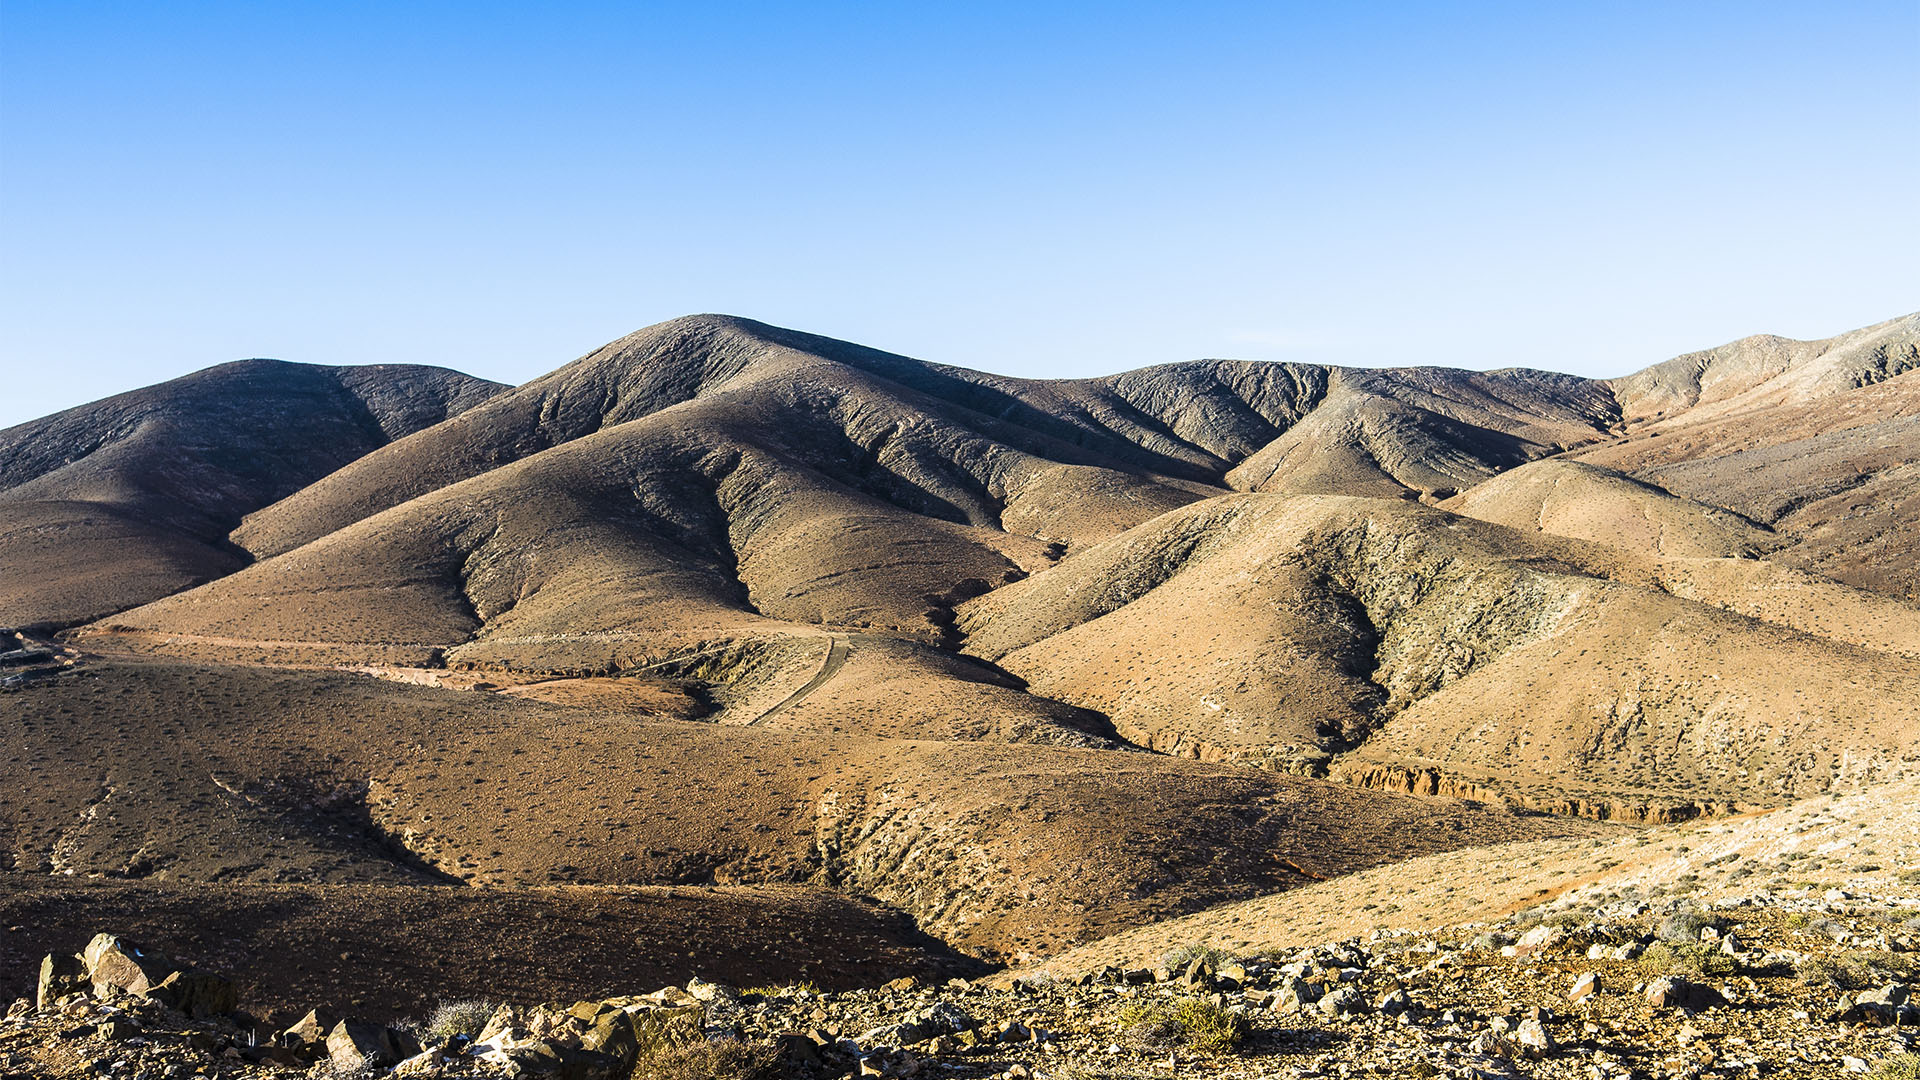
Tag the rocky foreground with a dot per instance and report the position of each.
(1774, 984)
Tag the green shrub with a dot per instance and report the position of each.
(1200, 1023)
(1210, 1027)
(1685, 926)
(1687, 957)
(1831, 971)
(805, 986)
(1897, 1067)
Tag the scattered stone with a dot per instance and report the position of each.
(1533, 1039)
(1674, 992)
(1344, 1001)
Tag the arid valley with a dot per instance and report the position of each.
(733, 654)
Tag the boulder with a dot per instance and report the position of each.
(1673, 992)
(613, 1034)
(1541, 938)
(1534, 1041)
(552, 1058)
(1345, 1001)
(310, 1030)
(359, 1044)
(425, 1063)
(114, 964)
(1584, 987)
(60, 975)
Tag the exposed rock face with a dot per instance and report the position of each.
(357, 1044)
(59, 976)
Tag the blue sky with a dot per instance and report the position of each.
(1043, 190)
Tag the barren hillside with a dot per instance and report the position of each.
(821, 633)
(110, 505)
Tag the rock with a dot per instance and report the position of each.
(1673, 992)
(113, 964)
(1540, 938)
(359, 1044)
(1584, 987)
(656, 1029)
(60, 975)
(310, 1029)
(1533, 1039)
(199, 994)
(425, 1063)
(1394, 1003)
(1632, 950)
(1345, 1001)
(1296, 993)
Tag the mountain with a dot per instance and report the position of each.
(1813, 439)
(1029, 662)
(113, 504)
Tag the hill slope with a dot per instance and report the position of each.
(112, 504)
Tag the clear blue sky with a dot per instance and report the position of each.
(1056, 189)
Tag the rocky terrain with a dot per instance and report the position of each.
(946, 709)
(1794, 984)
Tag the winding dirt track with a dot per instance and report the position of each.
(837, 651)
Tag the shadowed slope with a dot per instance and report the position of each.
(997, 848)
(1427, 431)
(112, 504)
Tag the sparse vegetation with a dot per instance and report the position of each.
(804, 986)
(1831, 971)
(1897, 1067)
(1685, 925)
(1181, 957)
(1687, 958)
(723, 1059)
(450, 1019)
(1201, 1024)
